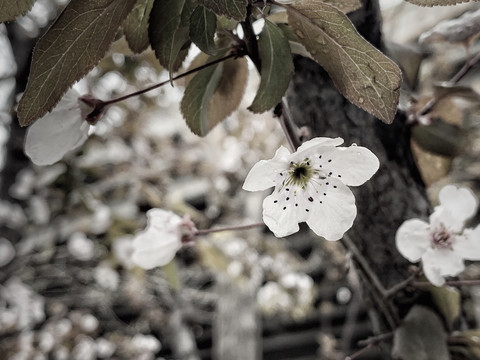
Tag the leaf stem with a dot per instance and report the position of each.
(139, 92)
(228, 228)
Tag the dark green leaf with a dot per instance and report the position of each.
(72, 46)
(203, 25)
(11, 9)
(169, 31)
(440, 138)
(277, 68)
(437, 2)
(448, 301)
(213, 93)
(362, 74)
(197, 97)
(232, 9)
(135, 26)
(420, 337)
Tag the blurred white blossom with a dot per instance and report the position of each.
(106, 277)
(160, 241)
(443, 243)
(7, 252)
(24, 305)
(311, 185)
(59, 131)
(81, 247)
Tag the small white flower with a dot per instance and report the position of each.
(311, 186)
(59, 131)
(160, 241)
(442, 244)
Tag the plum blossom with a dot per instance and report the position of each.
(59, 131)
(161, 239)
(311, 185)
(443, 243)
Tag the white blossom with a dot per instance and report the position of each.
(311, 185)
(443, 243)
(59, 131)
(160, 241)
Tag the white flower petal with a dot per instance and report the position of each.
(442, 218)
(319, 142)
(262, 175)
(353, 165)
(460, 202)
(56, 133)
(433, 275)
(413, 239)
(332, 210)
(153, 248)
(467, 245)
(164, 221)
(280, 215)
(440, 263)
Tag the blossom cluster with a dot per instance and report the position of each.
(444, 243)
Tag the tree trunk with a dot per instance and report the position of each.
(395, 193)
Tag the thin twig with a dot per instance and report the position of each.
(139, 92)
(400, 286)
(369, 343)
(373, 281)
(421, 284)
(229, 228)
(455, 79)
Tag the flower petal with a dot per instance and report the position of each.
(56, 133)
(413, 239)
(164, 221)
(332, 210)
(320, 142)
(438, 263)
(262, 175)
(353, 165)
(467, 245)
(442, 218)
(460, 202)
(153, 248)
(281, 215)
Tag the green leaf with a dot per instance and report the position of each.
(232, 9)
(277, 68)
(437, 2)
(72, 46)
(345, 6)
(448, 302)
(169, 31)
(420, 337)
(135, 26)
(360, 72)
(203, 25)
(213, 93)
(440, 138)
(11, 9)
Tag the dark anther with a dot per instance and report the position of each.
(310, 199)
(307, 210)
(288, 198)
(275, 201)
(330, 173)
(284, 207)
(330, 160)
(287, 189)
